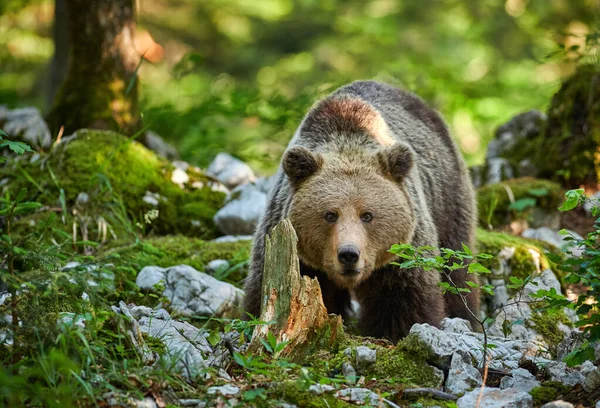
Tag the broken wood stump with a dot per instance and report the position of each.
(293, 302)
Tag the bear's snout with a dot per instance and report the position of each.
(348, 255)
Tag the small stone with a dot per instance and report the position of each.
(233, 238)
(82, 199)
(241, 213)
(456, 325)
(349, 372)
(462, 376)
(217, 265)
(558, 371)
(225, 390)
(319, 389)
(230, 171)
(520, 379)
(179, 177)
(364, 358)
(496, 398)
(558, 404)
(157, 144)
(152, 198)
(592, 382)
(147, 402)
(360, 395)
(191, 403)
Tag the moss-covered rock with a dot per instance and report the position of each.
(533, 200)
(123, 183)
(549, 391)
(524, 257)
(567, 149)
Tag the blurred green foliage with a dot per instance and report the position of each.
(238, 75)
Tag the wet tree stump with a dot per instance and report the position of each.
(293, 302)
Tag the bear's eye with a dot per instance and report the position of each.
(366, 217)
(331, 217)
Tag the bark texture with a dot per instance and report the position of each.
(292, 301)
(102, 64)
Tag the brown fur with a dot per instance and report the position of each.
(372, 149)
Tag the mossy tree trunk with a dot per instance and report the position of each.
(293, 302)
(102, 62)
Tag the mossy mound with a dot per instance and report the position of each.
(116, 173)
(525, 198)
(173, 250)
(569, 148)
(523, 262)
(549, 391)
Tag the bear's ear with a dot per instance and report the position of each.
(396, 160)
(299, 163)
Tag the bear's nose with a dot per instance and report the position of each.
(348, 255)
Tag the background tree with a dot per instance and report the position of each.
(99, 90)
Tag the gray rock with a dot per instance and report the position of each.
(496, 398)
(462, 376)
(558, 404)
(226, 390)
(520, 379)
(217, 265)
(553, 237)
(523, 312)
(27, 125)
(598, 404)
(440, 346)
(509, 135)
(592, 381)
(241, 213)
(319, 389)
(157, 144)
(349, 372)
(456, 325)
(594, 201)
(191, 292)
(558, 371)
(230, 171)
(360, 395)
(233, 238)
(364, 358)
(186, 348)
(192, 403)
(498, 169)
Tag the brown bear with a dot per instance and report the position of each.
(371, 166)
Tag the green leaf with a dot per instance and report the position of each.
(17, 147)
(472, 284)
(2, 133)
(522, 204)
(27, 207)
(467, 250)
(267, 346)
(572, 198)
(538, 192)
(214, 338)
(477, 268)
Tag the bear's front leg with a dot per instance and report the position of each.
(392, 300)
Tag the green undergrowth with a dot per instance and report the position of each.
(526, 198)
(116, 173)
(522, 263)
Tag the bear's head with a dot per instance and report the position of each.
(349, 208)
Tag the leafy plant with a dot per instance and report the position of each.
(583, 270)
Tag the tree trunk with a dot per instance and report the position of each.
(292, 301)
(60, 59)
(102, 62)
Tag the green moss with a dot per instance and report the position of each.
(547, 326)
(522, 263)
(116, 173)
(291, 392)
(493, 201)
(178, 249)
(548, 391)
